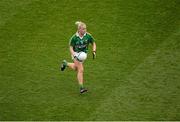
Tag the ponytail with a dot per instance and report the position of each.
(79, 24)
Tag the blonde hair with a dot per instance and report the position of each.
(80, 24)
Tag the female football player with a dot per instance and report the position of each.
(79, 43)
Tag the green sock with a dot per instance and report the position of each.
(65, 62)
(81, 86)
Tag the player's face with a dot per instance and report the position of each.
(82, 30)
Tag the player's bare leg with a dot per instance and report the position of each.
(77, 66)
(72, 66)
(66, 64)
(80, 71)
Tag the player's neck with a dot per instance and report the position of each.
(81, 35)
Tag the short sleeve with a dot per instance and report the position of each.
(71, 42)
(91, 39)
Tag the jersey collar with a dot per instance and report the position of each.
(77, 34)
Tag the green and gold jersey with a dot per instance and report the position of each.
(81, 44)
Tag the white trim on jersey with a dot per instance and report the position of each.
(77, 34)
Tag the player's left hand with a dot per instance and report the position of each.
(94, 54)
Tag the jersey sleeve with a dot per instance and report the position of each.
(91, 39)
(71, 42)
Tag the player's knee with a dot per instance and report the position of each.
(80, 70)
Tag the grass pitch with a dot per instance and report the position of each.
(135, 76)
